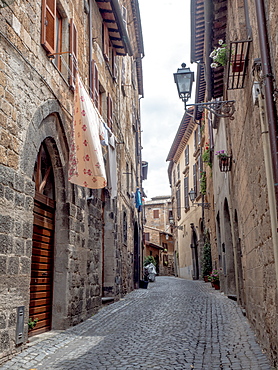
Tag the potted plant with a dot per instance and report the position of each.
(203, 183)
(214, 279)
(219, 55)
(206, 155)
(206, 262)
(224, 160)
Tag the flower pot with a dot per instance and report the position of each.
(225, 164)
(216, 285)
(205, 279)
(143, 284)
(238, 63)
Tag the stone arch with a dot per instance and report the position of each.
(240, 275)
(47, 126)
(195, 253)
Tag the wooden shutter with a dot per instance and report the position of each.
(73, 53)
(95, 84)
(178, 197)
(187, 155)
(156, 213)
(105, 42)
(186, 198)
(195, 179)
(109, 111)
(48, 38)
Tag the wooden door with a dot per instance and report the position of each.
(41, 286)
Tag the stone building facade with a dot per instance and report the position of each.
(63, 247)
(242, 220)
(185, 172)
(158, 238)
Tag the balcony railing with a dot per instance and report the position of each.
(237, 64)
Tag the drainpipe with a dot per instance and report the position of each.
(269, 126)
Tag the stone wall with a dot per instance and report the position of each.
(91, 257)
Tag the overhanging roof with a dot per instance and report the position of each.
(156, 246)
(179, 135)
(112, 16)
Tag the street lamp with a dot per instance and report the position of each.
(184, 79)
(192, 196)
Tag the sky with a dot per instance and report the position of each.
(166, 36)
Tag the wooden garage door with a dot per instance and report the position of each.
(41, 287)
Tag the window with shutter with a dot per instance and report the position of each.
(59, 25)
(186, 197)
(156, 213)
(109, 111)
(73, 53)
(195, 178)
(147, 236)
(178, 197)
(186, 153)
(105, 42)
(48, 31)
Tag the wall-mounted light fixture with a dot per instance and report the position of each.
(184, 79)
(192, 196)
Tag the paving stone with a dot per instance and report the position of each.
(174, 324)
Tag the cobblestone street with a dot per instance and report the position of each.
(174, 324)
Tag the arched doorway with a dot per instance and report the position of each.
(41, 285)
(136, 254)
(195, 257)
(227, 247)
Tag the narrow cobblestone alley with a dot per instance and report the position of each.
(174, 324)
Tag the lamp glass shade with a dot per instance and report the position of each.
(184, 79)
(192, 195)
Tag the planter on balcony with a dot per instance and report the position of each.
(225, 163)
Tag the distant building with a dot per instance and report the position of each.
(158, 239)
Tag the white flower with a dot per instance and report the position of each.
(213, 53)
(220, 42)
(214, 65)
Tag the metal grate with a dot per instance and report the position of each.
(237, 64)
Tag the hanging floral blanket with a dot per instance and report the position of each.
(86, 164)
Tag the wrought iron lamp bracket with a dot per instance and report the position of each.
(219, 108)
(205, 205)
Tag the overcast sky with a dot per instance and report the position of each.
(166, 35)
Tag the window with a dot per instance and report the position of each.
(109, 111)
(48, 25)
(186, 197)
(57, 60)
(178, 171)
(165, 247)
(186, 155)
(147, 236)
(53, 41)
(156, 213)
(195, 178)
(105, 42)
(170, 215)
(124, 227)
(178, 197)
(95, 84)
(73, 53)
